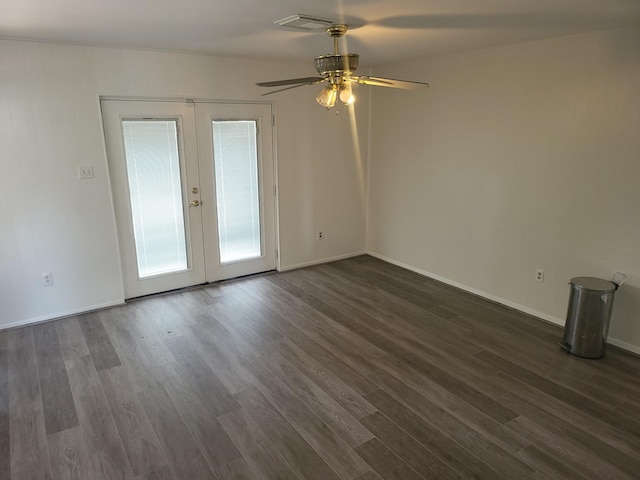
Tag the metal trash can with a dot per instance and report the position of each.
(588, 315)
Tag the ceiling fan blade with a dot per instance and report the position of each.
(291, 81)
(389, 82)
(294, 86)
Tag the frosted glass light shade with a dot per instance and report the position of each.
(346, 94)
(328, 96)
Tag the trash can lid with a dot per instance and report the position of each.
(592, 284)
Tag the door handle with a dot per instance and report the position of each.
(195, 203)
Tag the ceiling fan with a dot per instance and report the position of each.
(337, 70)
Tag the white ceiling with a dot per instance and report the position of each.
(381, 30)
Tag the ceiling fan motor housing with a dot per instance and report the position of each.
(337, 63)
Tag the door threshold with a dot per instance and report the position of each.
(200, 286)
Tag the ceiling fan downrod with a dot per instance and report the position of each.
(337, 64)
(336, 31)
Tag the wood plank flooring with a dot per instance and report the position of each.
(355, 370)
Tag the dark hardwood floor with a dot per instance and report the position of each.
(351, 370)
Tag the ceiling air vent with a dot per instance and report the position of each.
(304, 22)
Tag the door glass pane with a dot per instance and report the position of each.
(153, 171)
(237, 194)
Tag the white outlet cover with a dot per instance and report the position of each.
(85, 171)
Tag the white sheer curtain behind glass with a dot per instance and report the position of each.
(153, 171)
(237, 189)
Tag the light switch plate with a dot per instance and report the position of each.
(85, 171)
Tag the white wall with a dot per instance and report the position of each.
(519, 157)
(50, 123)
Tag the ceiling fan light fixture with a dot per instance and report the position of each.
(346, 94)
(328, 96)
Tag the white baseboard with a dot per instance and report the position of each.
(516, 306)
(624, 345)
(321, 261)
(59, 315)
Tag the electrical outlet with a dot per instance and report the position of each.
(47, 279)
(85, 171)
(320, 235)
(539, 275)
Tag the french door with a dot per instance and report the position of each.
(193, 189)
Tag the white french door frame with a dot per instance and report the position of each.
(197, 175)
